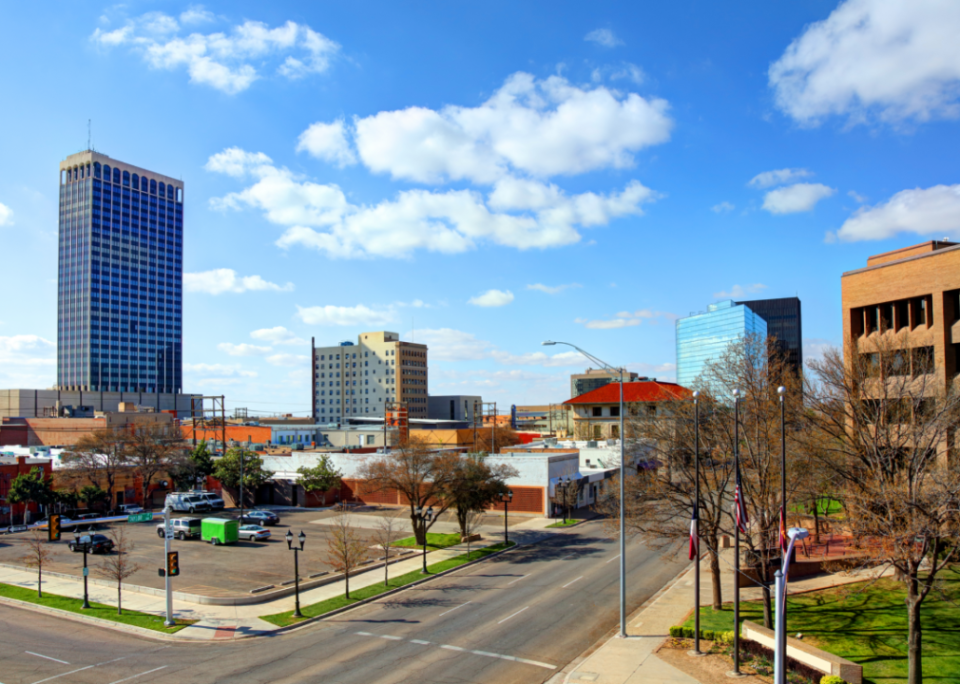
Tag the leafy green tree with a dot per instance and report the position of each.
(188, 473)
(93, 496)
(202, 460)
(228, 469)
(28, 488)
(320, 478)
(66, 498)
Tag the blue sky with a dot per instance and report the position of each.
(481, 177)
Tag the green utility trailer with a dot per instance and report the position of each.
(219, 531)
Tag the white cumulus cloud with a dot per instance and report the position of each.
(6, 215)
(932, 212)
(277, 335)
(604, 37)
(768, 179)
(551, 289)
(796, 198)
(447, 344)
(217, 370)
(539, 127)
(196, 14)
(722, 208)
(738, 291)
(626, 319)
(227, 61)
(288, 360)
(237, 163)
(344, 315)
(243, 349)
(895, 61)
(492, 298)
(328, 141)
(221, 280)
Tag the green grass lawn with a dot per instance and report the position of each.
(825, 506)
(868, 625)
(568, 523)
(315, 609)
(434, 541)
(97, 610)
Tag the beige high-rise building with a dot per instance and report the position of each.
(352, 380)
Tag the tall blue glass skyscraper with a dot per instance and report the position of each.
(706, 336)
(120, 303)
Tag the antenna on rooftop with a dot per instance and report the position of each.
(88, 135)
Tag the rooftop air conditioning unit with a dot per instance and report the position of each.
(591, 444)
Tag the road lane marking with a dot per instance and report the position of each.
(40, 681)
(105, 662)
(40, 655)
(513, 616)
(460, 649)
(613, 559)
(569, 583)
(517, 580)
(453, 609)
(390, 637)
(127, 679)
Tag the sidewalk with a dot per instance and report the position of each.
(633, 661)
(231, 622)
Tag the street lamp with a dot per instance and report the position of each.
(506, 499)
(623, 527)
(302, 538)
(85, 547)
(780, 580)
(424, 516)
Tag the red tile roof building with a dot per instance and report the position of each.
(596, 414)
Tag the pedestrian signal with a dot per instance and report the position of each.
(53, 528)
(173, 564)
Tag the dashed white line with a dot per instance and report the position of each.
(513, 616)
(517, 580)
(40, 655)
(453, 609)
(40, 681)
(613, 559)
(390, 637)
(417, 641)
(460, 649)
(452, 648)
(127, 679)
(571, 582)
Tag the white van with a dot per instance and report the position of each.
(216, 503)
(186, 501)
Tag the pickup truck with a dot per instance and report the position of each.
(183, 528)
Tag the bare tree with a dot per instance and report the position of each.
(151, 449)
(475, 485)
(118, 566)
(100, 457)
(388, 527)
(469, 527)
(346, 549)
(422, 475)
(884, 423)
(38, 554)
(659, 503)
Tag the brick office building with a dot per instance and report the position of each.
(915, 289)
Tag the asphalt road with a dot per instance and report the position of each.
(520, 617)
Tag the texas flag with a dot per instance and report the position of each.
(694, 537)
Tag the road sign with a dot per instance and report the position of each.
(86, 571)
(139, 517)
(168, 529)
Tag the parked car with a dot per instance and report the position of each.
(253, 533)
(183, 528)
(216, 503)
(259, 517)
(186, 501)
(129, 509)
(93, 543)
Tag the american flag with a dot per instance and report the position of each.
(739, 506)
(694, 537)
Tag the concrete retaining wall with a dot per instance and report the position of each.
(807, 654)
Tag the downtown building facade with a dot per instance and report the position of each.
(593, 378)
(120, 278)
(360, 380)
(706, 336)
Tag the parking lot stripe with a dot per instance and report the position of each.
(40, 655)
(127, 679)
(41, 681)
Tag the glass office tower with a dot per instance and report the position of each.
(705, 336)
(120, 277)
(783, 322)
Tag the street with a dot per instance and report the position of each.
(520, 617)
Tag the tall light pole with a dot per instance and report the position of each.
(623, 529)
(506, 499)
(782, 630)
(85, 548)
(424, 516)
(302, 538)
(696, 514)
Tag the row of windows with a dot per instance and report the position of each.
(125, 178)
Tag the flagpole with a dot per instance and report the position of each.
(782, 632)
(736, 535)
(696, 517)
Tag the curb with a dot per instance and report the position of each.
(373, 599)
(90, 620)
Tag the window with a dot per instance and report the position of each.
(872, 319)
(871, 364)
(615, 411)
(106, 173)
(598, 432)
(597, 411)
(923, 360)
(116, 175)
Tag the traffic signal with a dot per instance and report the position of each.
(173, 564)
(53, 528)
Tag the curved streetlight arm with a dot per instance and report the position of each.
(603, 364)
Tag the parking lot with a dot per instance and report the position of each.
(228, 570)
